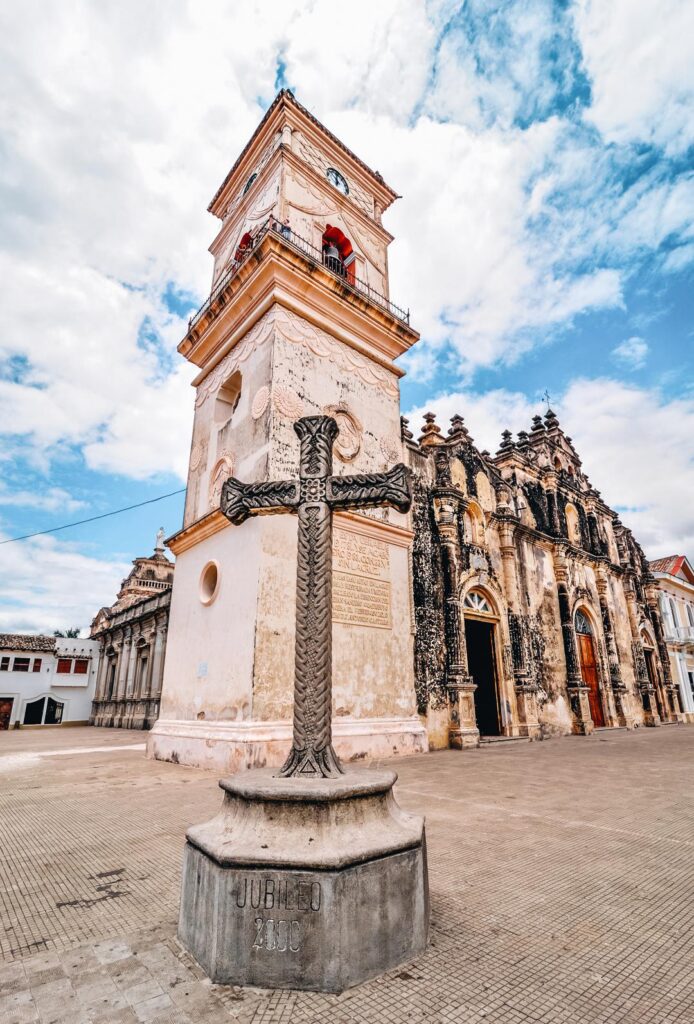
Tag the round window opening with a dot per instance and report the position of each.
(209, 583)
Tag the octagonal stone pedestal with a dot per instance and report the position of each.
(305, 883)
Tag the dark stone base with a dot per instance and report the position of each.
(353, 903)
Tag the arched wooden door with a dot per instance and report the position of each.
(589, 667)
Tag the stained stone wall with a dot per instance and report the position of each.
(527, 532)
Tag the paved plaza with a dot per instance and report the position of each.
(561, 872)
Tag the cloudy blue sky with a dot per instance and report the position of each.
(544, 241)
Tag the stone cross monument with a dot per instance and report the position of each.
(314, 496)
(311, 877)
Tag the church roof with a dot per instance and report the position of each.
(673, 565)
(26, 642)
(287, 96)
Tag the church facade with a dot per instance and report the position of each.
(536, 611)
(510, 601)
(132, 644)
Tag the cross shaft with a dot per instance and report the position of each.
(313, 497)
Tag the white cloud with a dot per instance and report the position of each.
(121, 123)
(50, 584)
(632, 353)
(638, 56)
(635, 446)
(50, 499)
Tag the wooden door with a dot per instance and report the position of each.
(5, 711)
(589, 671)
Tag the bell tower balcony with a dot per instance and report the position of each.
(277, 265)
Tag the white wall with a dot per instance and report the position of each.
(74, 691)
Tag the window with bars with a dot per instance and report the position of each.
(478, 602)
(582, 623)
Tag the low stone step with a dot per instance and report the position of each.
(503, 739)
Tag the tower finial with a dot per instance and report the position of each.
(159, 545)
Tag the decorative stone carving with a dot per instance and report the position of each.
(348, 442)
(287, 402)
(260, 402)
(196, 456)
(297, 331)
(314, 497)
(223, 469)
(390, 448)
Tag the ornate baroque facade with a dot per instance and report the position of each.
(132, 636)
(536, 612)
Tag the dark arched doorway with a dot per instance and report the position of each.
(589, 667)
(480, 628)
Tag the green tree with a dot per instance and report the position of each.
(69, 634)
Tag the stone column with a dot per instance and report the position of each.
(462, 730)
(525, 687)
(645, 688)
(595, 546)
(158, 661)
(99, 687)
(553, 513)
(575, 687)
(123, 662)
(620, 700)
(669, 691)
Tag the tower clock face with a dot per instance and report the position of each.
(336, 179)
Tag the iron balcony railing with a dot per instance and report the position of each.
(332, 264)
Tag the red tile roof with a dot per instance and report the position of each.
(671, 565)
(26, 642)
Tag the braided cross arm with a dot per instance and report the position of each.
(239, 501)
(369, 489)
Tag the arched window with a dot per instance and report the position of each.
(690, 615)
(244, 247)
(474, 525)
(249, 183)
(338, 254)
(673, 612)
(557, 464)
(582, 623)
(571, 472)
(477, 602)
(227, 399)
(573, 527)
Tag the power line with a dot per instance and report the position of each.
(92, 519)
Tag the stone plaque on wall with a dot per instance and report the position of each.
(361, 581)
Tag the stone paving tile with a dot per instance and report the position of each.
(562, 888)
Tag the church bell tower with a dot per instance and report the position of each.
(299, 322)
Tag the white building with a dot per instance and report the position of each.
(46, 680)
(675, 577)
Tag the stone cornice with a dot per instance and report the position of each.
(279, 273)
(198, 531)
